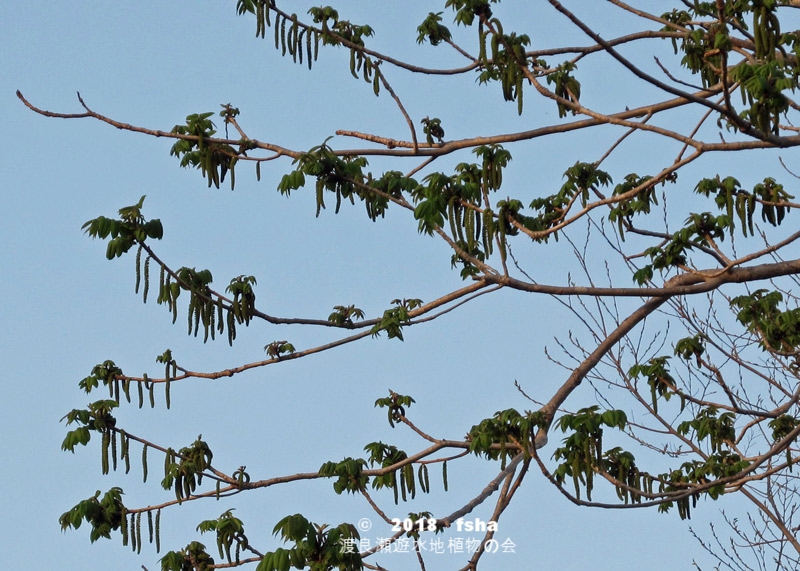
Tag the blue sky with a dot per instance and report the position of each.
(66, 308)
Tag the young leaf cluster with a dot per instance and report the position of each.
(662, 384)
(762, 87)
(399, 480)
(183, 471)
(343, 315)
(96, 417)
(348, 473)
(507, 62)
(230, 533)
(581, 455)
(395, 318)
(344, 177)
(463, 200)
(583, 180)
(772, 197)
(702, 473)
(505, 435)
(709, 424)
(777, 329)
(432, 128)
(104, 515)
(278, 348)
(315, 546)
(395, 405)
(193, 557)
(201, 151)
(641, 202)
(432, 30)
(466, 10)
(566, 87)
(130, 229)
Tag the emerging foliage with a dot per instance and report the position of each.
(689, 355)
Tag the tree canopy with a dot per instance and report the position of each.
(665, 272)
